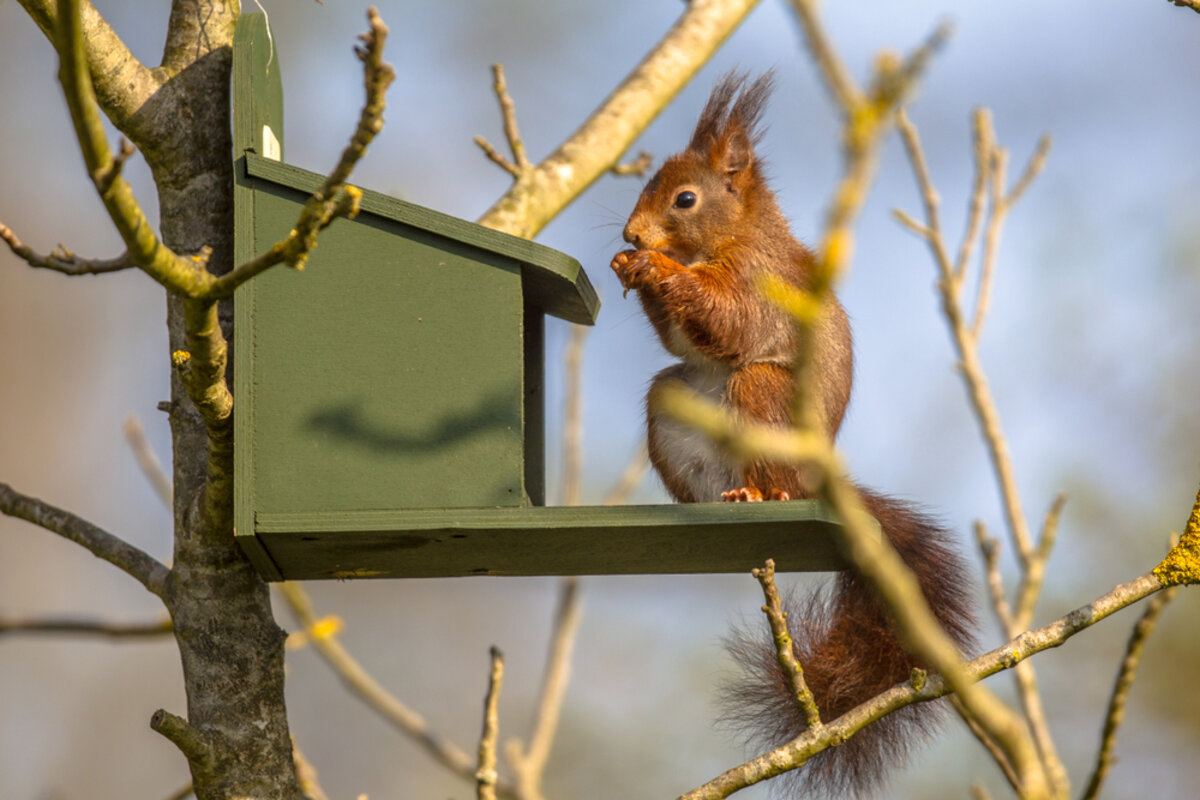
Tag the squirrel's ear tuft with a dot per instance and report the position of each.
(728, 128)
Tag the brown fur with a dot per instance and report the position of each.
(696, 268)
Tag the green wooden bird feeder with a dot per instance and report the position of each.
(389, 417)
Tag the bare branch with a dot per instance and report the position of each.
(544, 190)
(123, 83)
(86, 627)
(306, 775)
(497, 157)
(529, 763)
(989, 548)
(1008, 655)
(508, 113)
(177, 273)
(485, 775)
(984, 738)
(151, 467)
(837, 78)
(366, 688)
(102, 544)
(1194, 5)
(190, 741)
(640, 166)
(61, 259)
(334, 198)
(1031, 583)
(632, 475)
(977, 385)
(785, 655)
(1120, 693)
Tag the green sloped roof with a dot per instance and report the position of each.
(553, 281)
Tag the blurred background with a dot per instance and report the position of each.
(1091, 347)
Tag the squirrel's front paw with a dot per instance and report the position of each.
(634, 268)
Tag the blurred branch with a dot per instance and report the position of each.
(635, 470)
(529, 763)
(306, 775)
(573, 416)
(639, 166)
(984, 738)
(61, 259)
(185, 791)
(85, 627)
(990, 171)
(520, 163)
(102, 544)
(485, 775)
(1006, 656)
(1120, 693)
(1194, 5)
(366, 688)
(151, 467)
(545, 189)
(950, 286)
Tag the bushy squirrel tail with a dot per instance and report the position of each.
(849, 649)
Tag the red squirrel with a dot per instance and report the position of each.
(706, 228)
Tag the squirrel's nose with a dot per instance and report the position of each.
(632, 235)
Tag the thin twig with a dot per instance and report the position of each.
(508, 112)
(497, 157)
(335, 198)
(978, 388)
(143, 567)
(367, 689)
(989, 548)
(61, 259)
(784, 654)
(178, 273)
(1120, 693)
(591, 151)
(639, 167)
(1031, 584)
(151, 467)
(1008, 655)
(191, 741)
(981, 126)
(837, 78)
(984, 738)
(306, 775)
(631, 476)
(85, 627)
(485, 774)
(529, 762)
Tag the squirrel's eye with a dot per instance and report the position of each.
(685, 199)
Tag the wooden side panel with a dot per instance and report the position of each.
(607, 540)
(387, 374)
(257, 90)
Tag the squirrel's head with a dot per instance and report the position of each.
(706, 196)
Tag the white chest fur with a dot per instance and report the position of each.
(687, 454)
